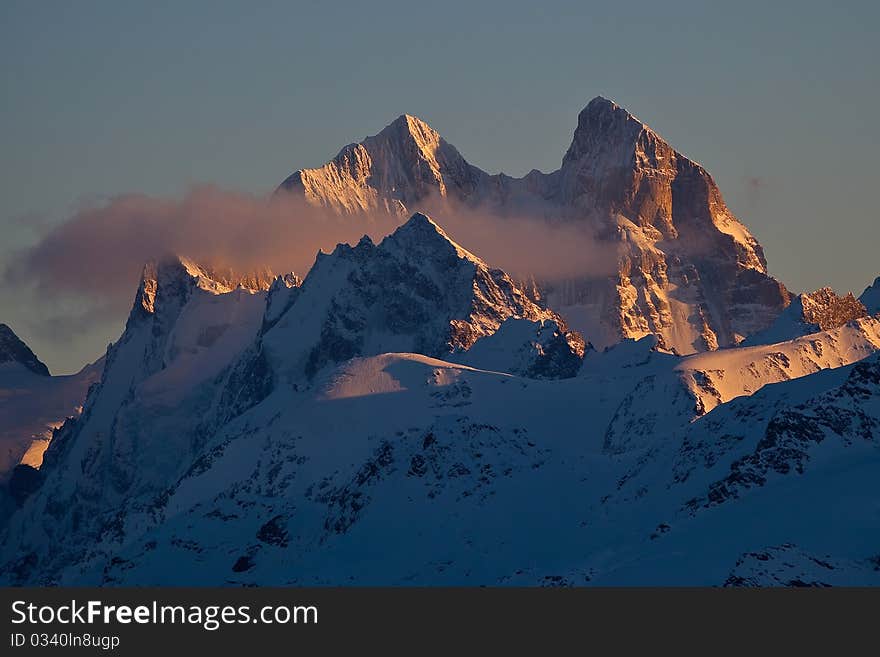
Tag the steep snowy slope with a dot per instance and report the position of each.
(387, 465)
(32, 406)
(688, 388)
(158, 381)
(772, 489)
(718, 377)
(688, 272)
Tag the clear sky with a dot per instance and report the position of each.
(778, 100)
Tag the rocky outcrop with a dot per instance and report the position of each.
(827, 310)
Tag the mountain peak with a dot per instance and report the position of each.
(422, 223)
(605, 129)
(406, 162)
(409, 124)
(422, 235)
(417, 291)
(14, 350)
(174, 275)
(600, 104)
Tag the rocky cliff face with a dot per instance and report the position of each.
(688, 271)
(827, 310)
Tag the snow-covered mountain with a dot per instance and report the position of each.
(417, 291)
(196, 353)
(688, 271)
(408, 415)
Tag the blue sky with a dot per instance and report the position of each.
(778, 102)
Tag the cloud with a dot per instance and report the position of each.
(527, 246)
(100, 250)
(85, 270)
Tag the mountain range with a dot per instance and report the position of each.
(406, 413)
(687, 270)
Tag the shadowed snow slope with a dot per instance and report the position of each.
(405, 469)
(32, 406)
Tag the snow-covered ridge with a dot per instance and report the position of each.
(717, 377)
(677, 392)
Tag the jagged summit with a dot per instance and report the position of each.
(411, 128)
(404, 163)
(176, 275)
(422, 234)
(417, 291)
(828, 310)
(604, 121)
(14, 350)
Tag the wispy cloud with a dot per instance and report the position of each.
(81, 274)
